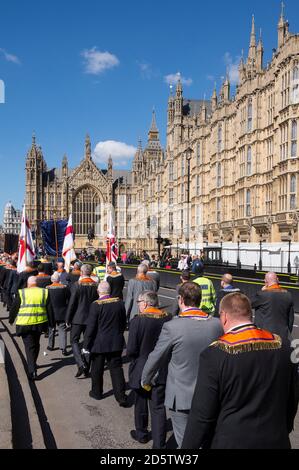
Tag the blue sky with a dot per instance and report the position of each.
(72, 67)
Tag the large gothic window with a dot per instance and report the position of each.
(87, 212)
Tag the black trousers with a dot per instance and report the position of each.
(32, 347)
(76, 332)
(114, 363)
(155, 401)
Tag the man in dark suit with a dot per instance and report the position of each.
(74, 275)
(181, 341)
(30, 271)
(226, 288)
(59, 296)
(104, 339)
(144, 333)
(116, 281)
(246, 395)
(42, 280)
(274, 308)
(84, 293)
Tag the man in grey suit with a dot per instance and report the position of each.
(137, 286)
(181, 342)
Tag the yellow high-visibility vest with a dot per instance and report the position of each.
(100, 272)
(208, 295)
(33, 310)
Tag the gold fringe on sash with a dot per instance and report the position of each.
(252, 346)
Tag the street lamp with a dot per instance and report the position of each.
(189, 153)
(289, 262)
(261, 253)
(221, 244)
(238, 259)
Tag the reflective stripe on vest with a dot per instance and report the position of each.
(100, 271)
(33, 309)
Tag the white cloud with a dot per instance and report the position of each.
(173, 78)
(147, 71)
(211, 78)
(10, 57)
(232, 67)
(121, 153)
(96, 62)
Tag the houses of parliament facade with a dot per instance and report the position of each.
(229, 171)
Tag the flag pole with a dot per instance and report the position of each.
(25, 240)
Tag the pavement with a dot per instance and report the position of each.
(56, 412)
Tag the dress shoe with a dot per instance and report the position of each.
(64, 352)
(142, 440)
(33, 376)
(95, 396)
(81, 371)
(124, 403)
(50, 349)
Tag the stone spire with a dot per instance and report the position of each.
(153, 134)
(214, 99)
(87, 148)
(179, 101)
(283, 27)
(65, 166)
(171, 106)
(110, 167)
(226, 88)
(260, 53)
(252, 46)
(242, 68)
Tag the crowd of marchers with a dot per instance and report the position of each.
(217, 364)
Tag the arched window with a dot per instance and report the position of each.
(198, 155)
(248, 203)
(249, 161)
(219, 175)
(294, 139)
(220, 147)
(198, 186)
(293, 193)
(87, 211)
(295, 85)
(249, 117)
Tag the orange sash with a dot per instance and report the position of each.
(194, 312)
(247, 339)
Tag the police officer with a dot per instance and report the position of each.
(208, 298)
(31, 309)
(100, 272)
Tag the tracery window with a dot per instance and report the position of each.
(87, 211)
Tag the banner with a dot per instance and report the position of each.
(11, 244)
(53, 236)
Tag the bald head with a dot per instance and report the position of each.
(104, 289)
(31, 282)
(235, 309)
(227, 280)
(271, 279)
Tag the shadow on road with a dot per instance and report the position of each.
(21, 431)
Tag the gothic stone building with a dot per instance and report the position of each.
(86, 192)
(243, 157)
(229, 170)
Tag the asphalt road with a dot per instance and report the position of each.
(56, 412)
